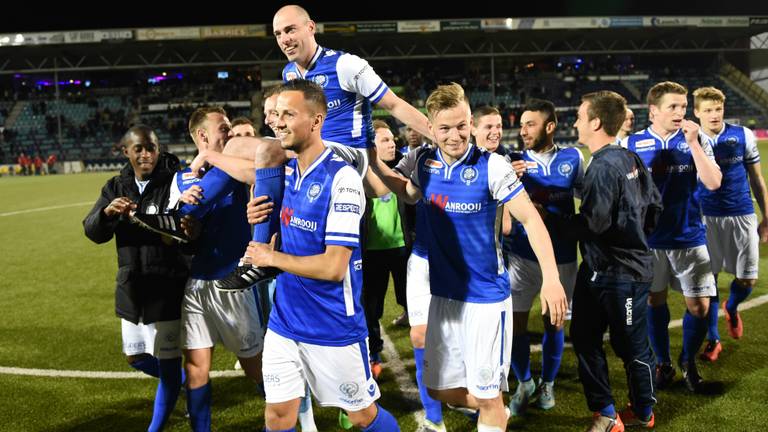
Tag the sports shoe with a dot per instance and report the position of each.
(401, 321)
(690, 374)
(429, 426)
(376, 369)
(665, 374)
(735, 326)
(545, 398)
(243, 277)
(630, 419)
(237, 365)
(344, 422)
(168, 225)
(711, 351)
(601, 423)
(518, 403)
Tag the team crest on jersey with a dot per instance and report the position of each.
(731, 141)
(565, 169)
(683, 147)
(321, 80)
(650, 142)
(469, 175)
(349, 389)
(314, 191)
(290, 76)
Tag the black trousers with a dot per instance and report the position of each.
(601, 303)
(377, 266)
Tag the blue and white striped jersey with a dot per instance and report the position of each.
(674, 173)
(464, 204)
(321, 207)
(225, 233)
(734, 147)
(552, 179)
(351, 86)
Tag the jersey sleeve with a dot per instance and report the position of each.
(356, 75)
(503, 183)
(175, 193)
(751, 154)
(346, 209)
(407, 165)
(356, 158)
(706, 145)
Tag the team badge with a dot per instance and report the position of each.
(469, 175)
(152, 209)
(731, 141)
(320, 79)
(349, 389)
(683, 147)
(314, 191)
(565, 169)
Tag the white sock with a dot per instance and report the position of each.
(485, 428)
(306, 415)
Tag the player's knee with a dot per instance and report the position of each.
(699, 309)
(418, 337)
(746, 283)
(364, 417)
(269, 153)
(279, 419)
(656, 299)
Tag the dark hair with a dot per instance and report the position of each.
(484, 111)
(242, 121)
(139, 131)
(312, 92)
(270, 91)
(660, 89)
(542, 106)
(610, 107)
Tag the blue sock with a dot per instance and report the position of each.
(306, 401)
(551, 352)
(521, 357)
(714, 304)
(384, 422)
(644, 412)
(270, 182)
(658, 332)
(147, 364)
(738, 294)
(694, 332)
(215, 184)
(167, 392)
(199, 408)
(293, 429)
(433, 407)
(609, 411)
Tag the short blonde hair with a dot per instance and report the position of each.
(707, 94)
(445, 97)
(380, 124)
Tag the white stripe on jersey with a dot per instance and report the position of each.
(357, 116)
(349, 303)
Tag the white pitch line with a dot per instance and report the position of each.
(39, 209)
(402, 377)
(394, 363)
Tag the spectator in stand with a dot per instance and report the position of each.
(38, 162)
(51, 162)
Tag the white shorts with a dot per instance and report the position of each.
(469, 345)
(338, 376)
(357, 158)
(417, 290)
(734, 245)
(687, 270)
(525, 280)
(210, 316)
(160, 339)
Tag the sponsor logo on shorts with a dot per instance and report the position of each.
(372, 389)
(272, 379)
(349, 389)
(484, 375)
(628, 309)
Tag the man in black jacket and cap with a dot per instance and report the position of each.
(151, 271)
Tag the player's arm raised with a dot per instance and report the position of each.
(709, 172)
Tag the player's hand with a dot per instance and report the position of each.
(762, 231)
(553, 302)
(191, 226)
(260, 254)
(258, 209)
(119, 206)
(520, 167)
(192, 196)
(197, 163)
(691, 131)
